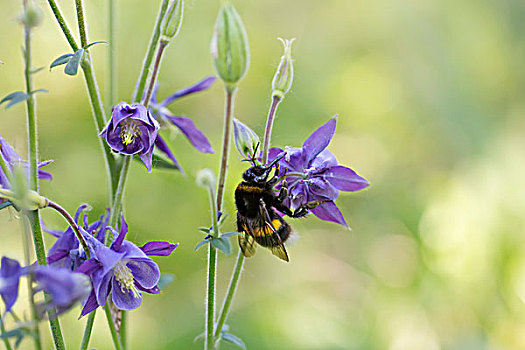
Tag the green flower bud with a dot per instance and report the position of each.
(283, 78)
(229, 45)
(246, 140)
(206, 178)
(32, 16)
(172, 21)
(30, 200)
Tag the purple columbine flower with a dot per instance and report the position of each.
(10, 272)
(67, 251)
(65, 287)
(184, 124)
(124, 270)
(313, 174)
(132, 130)
(12, 159)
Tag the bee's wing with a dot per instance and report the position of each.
(276, 245)
(247, 244)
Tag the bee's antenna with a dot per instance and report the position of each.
(254, 155)
(278, 158)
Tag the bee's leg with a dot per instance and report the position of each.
(305, 207)
(265, 214)
(283, 193)
(273, 181)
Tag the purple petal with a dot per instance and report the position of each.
(10, 273)
(79, 210)
(298, 195)
(145, 271)
(319, 187)
(101, 284)
(201, 85)
(88, 267)
(154, 290)
(53, 258)
(329, 212)
(90, 304)
(125, 300)
(131, 251)
(194, 135)
(163, 147)
(147, 159)
(44, 175)
(122, 234)
(324, 160)
(345, 179)
(318, 140)
(158, 248)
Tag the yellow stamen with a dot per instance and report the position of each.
(125, 279)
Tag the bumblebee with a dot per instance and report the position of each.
(257, 204)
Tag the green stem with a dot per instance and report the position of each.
(210, 309)
(117, 201)
(112, 329)
(228, 114)
(223, 315)
(87, 331)
(81, 23)
(63, 25)
(269, 125)
(33, 178)
(146, 64)
(73, 224)
(31, 296)
(112, 52)
(155, 72)
(3, 165)
(2, 331)
(123, 329)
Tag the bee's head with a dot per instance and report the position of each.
(259, 173)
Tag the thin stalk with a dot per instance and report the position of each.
(73, 224)
(269, 125)
(112, 329)
(112, 52)
(33, 177)
(155, 72)
(232, 288)
(228, 114)
(2, 331)
(81, 23)
(123, 329)
(146, 64)
(117, 202)
(63, 25)
(87, 331)
(210, 309)
(27, 261)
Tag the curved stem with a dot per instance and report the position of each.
(156, 66)
(228, 114)
(269, 125)
(63, 25)
(34, 216)
(87, 331)
(232, 288)
(112, 329)
(72, 223)
(141, 82)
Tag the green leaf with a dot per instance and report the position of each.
(14, 98)
(204, 230)
(230, 338)
(61, 60)
(158, 162)
(39, 90)
(222, 243)
(94, 43)
(74, 62)
(200, 336)
(165, 280)
(223, 219)
(200, 244)
(36, 70)
(5, 205)
(230, 234)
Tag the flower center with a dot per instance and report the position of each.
(129, 130)
(125, 279)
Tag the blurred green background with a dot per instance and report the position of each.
(431, 105)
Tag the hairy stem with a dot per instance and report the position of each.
(34, 216)
(87, 331)
(117, 202)
(63, 25)
(269, 125)
(210, 304)
(155, 72)
(81, 23)
(73, 225)
(141, 82)
(112, 52)
(228, 114)
(112, 329)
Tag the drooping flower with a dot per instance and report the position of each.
(186, 125)
(10, 272)
(67, 252)
(124, 270)
(314, 174)
(64, 287)
(132, 129)
(12, 159)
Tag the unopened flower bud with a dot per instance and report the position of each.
(229, 45)
(246, 140)
(30, 200)
(172, 21)
(206, 178)
(283, 78)
(32, 15)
